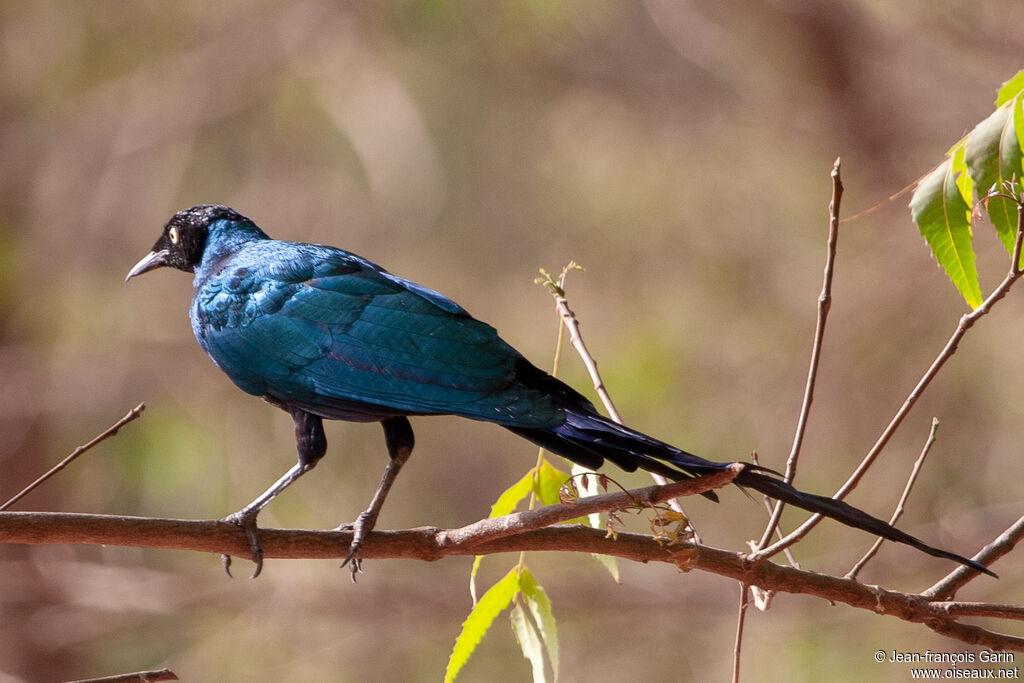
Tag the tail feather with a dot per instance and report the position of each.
(588, 438)
(589, 442)
(845, 513)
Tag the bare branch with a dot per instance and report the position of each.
(501, 527)
(900, 505)
(981, 609)
(967, 321)
(891, 198)
(430, 543)
(105, 434)
(976, 635)
(573, 326)
(741, 618)
(1007, 541)
(137, 677)
(824, 305)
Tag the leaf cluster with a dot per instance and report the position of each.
(979, 169)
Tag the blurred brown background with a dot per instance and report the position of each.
(678, 150)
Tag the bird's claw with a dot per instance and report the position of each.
(247, 522)
(355, 565)
(359, 529)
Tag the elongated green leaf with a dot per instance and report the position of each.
(506, 503)
(494, 601)
(1011, 89)
(477, 560)
(544, 618)
(964, 183)
(529, 642)
(1018, 125)
(512, 496)
(942, 216)
(610, 563)
(993, 158)
(549, 481)
(548, 484)
(544, 481)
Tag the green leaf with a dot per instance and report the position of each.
(529, 641)
(544, 481)
(993, 158)
(549, 480)
(477, 560)
(942, 216)
(964, 183)
(1010, 89)
(610, 563)
(1018, 123)
(494, 601)
(513, 495)
(543, 617)
(506, 503)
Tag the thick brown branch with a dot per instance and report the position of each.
(430, 543)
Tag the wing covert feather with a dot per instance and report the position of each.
(340, 331)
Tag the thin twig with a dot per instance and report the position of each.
(532, 503)
(966, 322)
(976, 635)
(981, 609)
(770, 507)
(903, 500)
(741, 618)
(573, 326)
(888, 200)
(106, 434)
(824, 305)
(778, 532)
(956, 579)
(137, 677)
(500, 527)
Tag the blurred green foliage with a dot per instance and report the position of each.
(679, 150)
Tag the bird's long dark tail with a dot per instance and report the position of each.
(589, 439)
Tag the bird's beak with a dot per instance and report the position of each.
(153, 259)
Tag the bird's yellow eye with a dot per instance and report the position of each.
(173, 235)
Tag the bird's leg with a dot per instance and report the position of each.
(399, 438)
(311, 444)
(246, 517)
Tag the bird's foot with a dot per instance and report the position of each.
(355, 565)
(363, 525)
(247, 521)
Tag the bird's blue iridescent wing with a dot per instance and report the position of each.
(329, 332)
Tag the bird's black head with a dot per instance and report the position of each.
(184, 237)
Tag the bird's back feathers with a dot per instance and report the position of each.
(321, 327)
